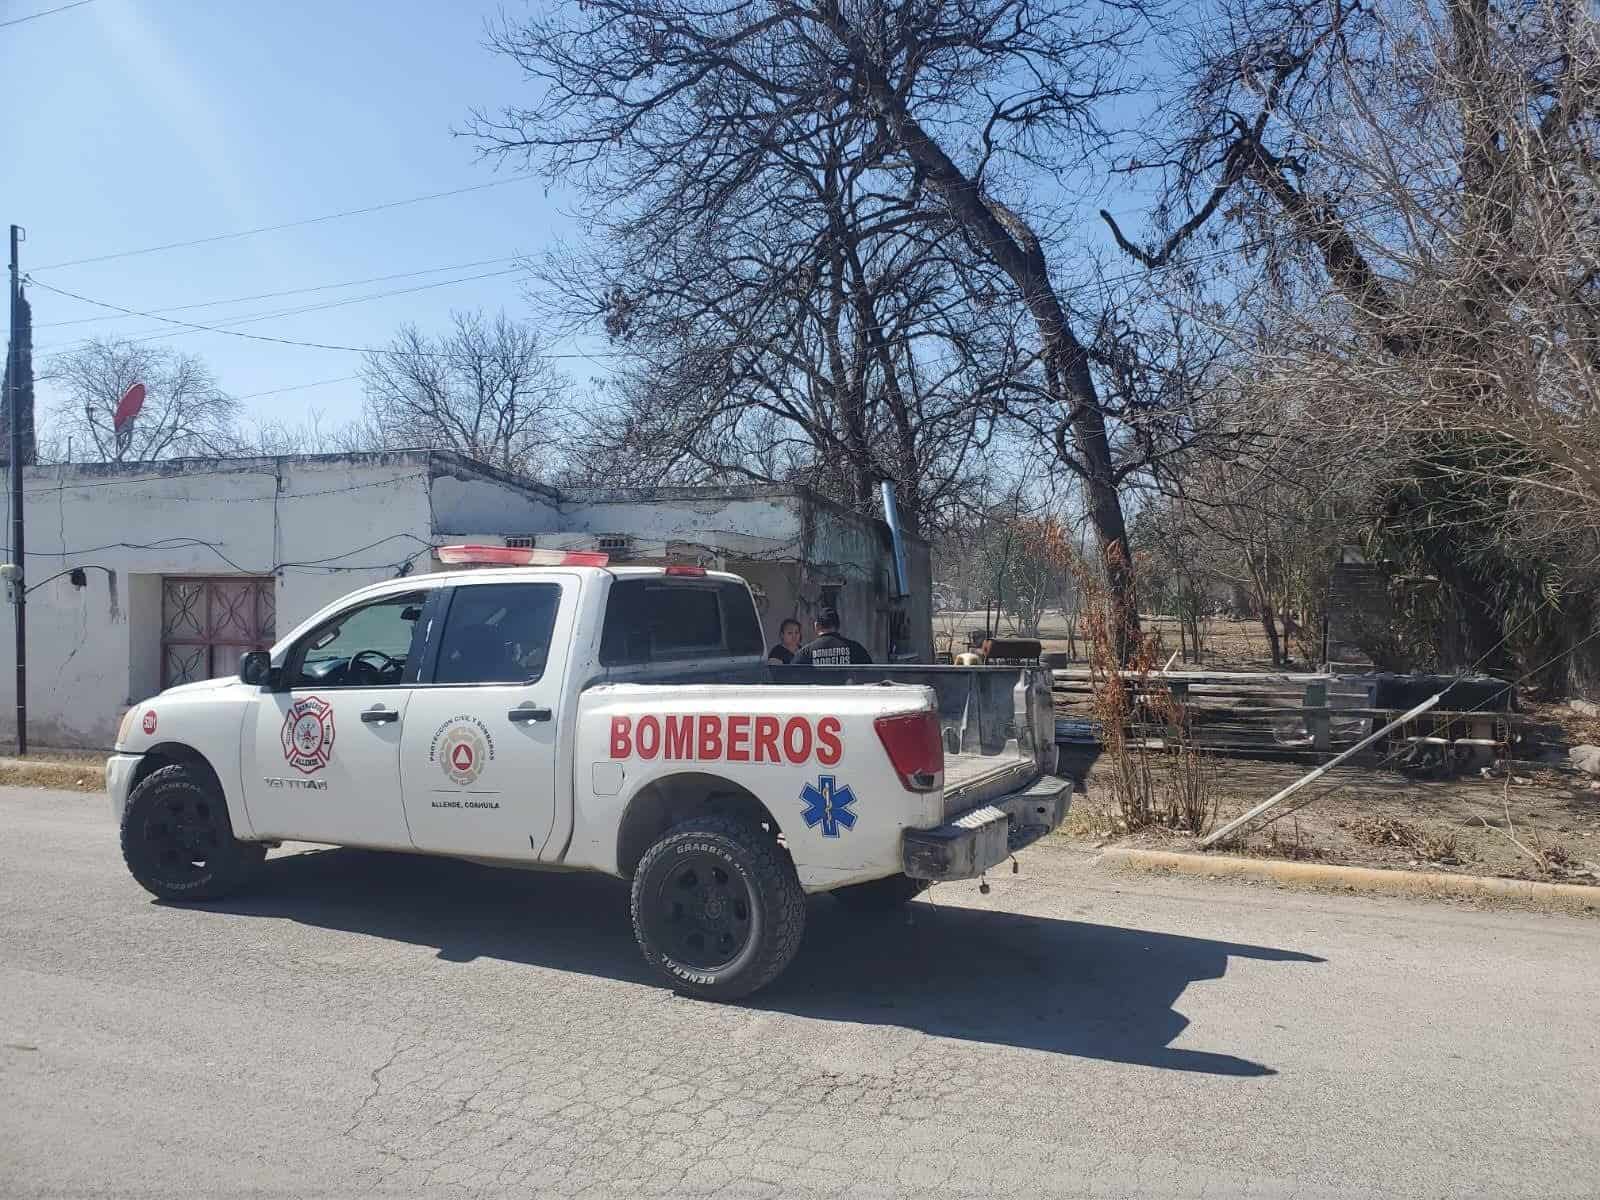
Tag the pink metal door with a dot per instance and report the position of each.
(206, 623)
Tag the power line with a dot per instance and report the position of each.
(321, 287)
(261, 337)
(244, 233)
(1102, 285)
(227, 325)
(49, 12)
(298, 387)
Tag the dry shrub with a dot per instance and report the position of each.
(1192, 779)
(1440, 847)
(1385, 831)
(1175, 787)
(1299, 849)
(1391, 831)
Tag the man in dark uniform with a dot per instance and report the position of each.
(829, 648)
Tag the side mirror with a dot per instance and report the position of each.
(255, 668)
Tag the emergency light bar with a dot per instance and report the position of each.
(515, 556)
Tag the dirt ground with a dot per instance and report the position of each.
(1366, 817)
(1360, 815)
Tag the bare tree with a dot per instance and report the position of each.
(675, 116)
(184, 412)
(486, 389)
(1433, 165)
(1417, 182)
(313, 435)
(804, 341)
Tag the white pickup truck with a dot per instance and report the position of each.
(547, 710)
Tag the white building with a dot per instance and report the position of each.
(144, 575)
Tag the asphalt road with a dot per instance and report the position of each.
(364, 1022)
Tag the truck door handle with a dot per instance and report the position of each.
(528, 713)
(378, 716)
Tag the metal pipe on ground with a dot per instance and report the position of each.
(1273, 801)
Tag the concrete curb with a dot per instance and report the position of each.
(1567, 897)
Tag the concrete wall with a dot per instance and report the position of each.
(94, 650)
(846, 549)
(471, 500)
(747, 523)
(322, 526)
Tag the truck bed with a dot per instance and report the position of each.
(984, 755)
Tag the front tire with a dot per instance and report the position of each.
(717, 908)
(880, 895)
(178, 841)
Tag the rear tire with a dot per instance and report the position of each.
(717, 907)
(178, 841)
(880, 895)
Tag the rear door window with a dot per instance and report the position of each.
(497, 633)
(653, 620)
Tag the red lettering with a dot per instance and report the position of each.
(738, 739)
(710, 738)
(829, 747)
(801, 726)
(651, 726)
(680, 738)
(621, 743)
(767, 740)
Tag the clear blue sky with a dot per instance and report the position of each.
(131, 123)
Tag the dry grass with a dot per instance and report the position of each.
(1377, 818)
(85, 774)
(1290, 844)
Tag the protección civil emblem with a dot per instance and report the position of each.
(462, 749)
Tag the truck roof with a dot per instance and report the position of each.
(511, 574)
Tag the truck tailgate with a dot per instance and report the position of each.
(972, 779)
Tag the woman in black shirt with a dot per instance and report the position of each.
(782, 654)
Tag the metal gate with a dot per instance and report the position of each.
(207, 623)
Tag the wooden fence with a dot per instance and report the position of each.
(1298, 715)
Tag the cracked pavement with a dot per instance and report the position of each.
(363, 1023)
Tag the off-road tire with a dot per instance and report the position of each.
(755, 868)
(178, 841)
(880, 895)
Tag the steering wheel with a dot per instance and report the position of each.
(378, 672)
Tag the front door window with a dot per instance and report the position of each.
(366, 647)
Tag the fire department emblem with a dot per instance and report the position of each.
(461, 748)
(308, 734)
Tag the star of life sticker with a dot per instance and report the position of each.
(828, 805)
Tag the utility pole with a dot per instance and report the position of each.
(14, 417)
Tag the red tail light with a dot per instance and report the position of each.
(680, 569)
(915, 748)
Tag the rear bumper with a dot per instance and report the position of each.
(983, 837)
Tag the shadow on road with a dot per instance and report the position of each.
(1069, 987)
